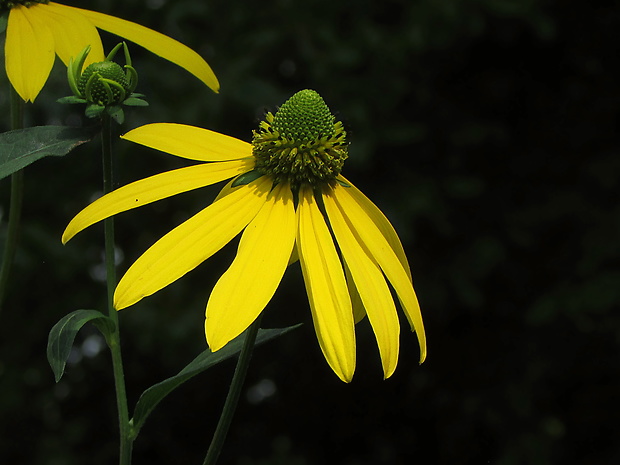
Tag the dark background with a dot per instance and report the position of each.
(484, 129)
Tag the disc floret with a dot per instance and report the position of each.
(302, 143)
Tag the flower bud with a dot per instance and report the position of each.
(104, 83)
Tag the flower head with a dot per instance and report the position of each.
(104, 86)
(288, 197)
(38, 30)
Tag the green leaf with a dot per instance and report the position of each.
(93, 110)
(22, 147)
(246, 178)
(155, 394)
(71, 99)
(116, 113)
(135, 102)
(63, 334)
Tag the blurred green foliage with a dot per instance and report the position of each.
(485, 131)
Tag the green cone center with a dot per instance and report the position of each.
(98, 89)
(301, 143)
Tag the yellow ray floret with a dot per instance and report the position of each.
(191, 243)
(29, 51)
(248, 285)
(371, 285)
(154, 188)
(382, 252)
(189, 142)
(381, 222)
(72, 33)
(326, 287)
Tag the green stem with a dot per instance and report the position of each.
(232, 399)
(15, 205)
(126, 436)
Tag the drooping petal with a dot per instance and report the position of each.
(382, 252)
(191, 243)
(155, 42)
(248, 285)
(326, 287)
(382, 223)
(154, 188)
(72, 33)
(29, 50)
(370, 283)
(189, 142)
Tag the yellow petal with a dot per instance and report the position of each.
(72, 33)
(248, 285)
(381, 250)
(155, 42)
(189, 142)
(370, 283)
(382, 223)
(154, 188)
(29, 50)
(326, 287)
(191, 243)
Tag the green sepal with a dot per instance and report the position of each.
(135, 102)
(246, 178)
(132, 77)
(116, 113)
(343, 183)
(74, 70)
(118, 87)
(116, 48)
(21, 147)
(62, 336)
(71, 99)
(93, 110)
(155, 394)
(4, 19)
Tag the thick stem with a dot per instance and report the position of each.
(126, 436)
(15, 205)
(232, 399)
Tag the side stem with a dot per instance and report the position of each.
(15, 205)
(232, 399)
(126, 437)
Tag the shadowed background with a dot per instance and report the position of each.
(484, 129)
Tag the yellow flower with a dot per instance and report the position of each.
(290, 200)
(38, 30)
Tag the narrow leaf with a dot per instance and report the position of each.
(135, 102)
(22, 147)
(71, 99)
(116, 113)
(155, 394)
(63, 334)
